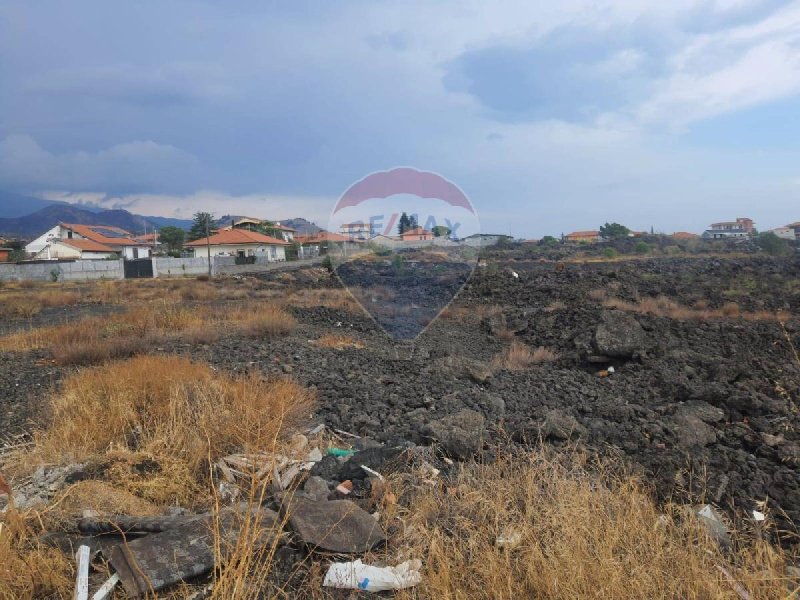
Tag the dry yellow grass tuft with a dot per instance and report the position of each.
(261, 321)
(519, 357)
(28, 568)
(532, 526)
(335, 298)
(338, 342)
(169, 407)
(662, 306)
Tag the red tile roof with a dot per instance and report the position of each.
(322, 236)
(237, 237)
(684, 235)
(113, 236)
(85, 245)
(416, 231)
(584, 234)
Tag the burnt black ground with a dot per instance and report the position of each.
(708, 406)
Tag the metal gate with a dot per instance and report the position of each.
(139, 267)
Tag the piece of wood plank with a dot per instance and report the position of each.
(105, 590)
(82, 578)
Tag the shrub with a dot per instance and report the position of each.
(772, 244)
(641, 247)
(609, 252)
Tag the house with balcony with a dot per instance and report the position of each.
(741, 228)
(355, 231)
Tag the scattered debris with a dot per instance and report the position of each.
(334, 451)
(759, 516)
(334, 526)
(152, 563)
(345, 487)
(82, 576)
(714, 525)
(358, 576)
(105, 590)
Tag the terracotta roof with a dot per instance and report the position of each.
(85, 245)
(236, 237)
(417, 231)
(684, 235)
(322, 236)
(584, 234)
(795, 224)
(103, 234)
(147, 238)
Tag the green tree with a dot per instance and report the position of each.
(202, 225)
(440, 231)
(404, 224)
(548, 240)
(172, 237)
(614, 231)
(772, 244)
(641, 247)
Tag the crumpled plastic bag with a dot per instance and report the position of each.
(358, 576)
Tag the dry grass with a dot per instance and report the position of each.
(519, 357)
(97, 339)
(662, 306)
(338, 342)
(28, 568)
(167, 406)
(148, 429)
(261, 321)
(335, 298)
(573, 531)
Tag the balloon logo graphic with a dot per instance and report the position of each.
(403, 242)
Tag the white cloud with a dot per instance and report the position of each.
(137, 164)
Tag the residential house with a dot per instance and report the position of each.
(796, 227)
(583, 236)
(742, 227)
(5, 254)
(416, 234)
(785, 233)
(485, 239)
(77, 249)
(320, 243)
(356, 231)
(253, 224)
(684, 235)
(240, 243)
(107, 240)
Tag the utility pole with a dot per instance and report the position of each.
(208, 243)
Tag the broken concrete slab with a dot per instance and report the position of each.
(335, 526)
(163, 559)
(127, 524)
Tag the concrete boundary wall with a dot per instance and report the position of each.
(79, 270)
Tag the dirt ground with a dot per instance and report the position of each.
(702, 399)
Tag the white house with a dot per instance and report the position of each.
(785, 233)
(253, 224)
(107, 240)
(78, 249)
(240, 243)
(355, 231)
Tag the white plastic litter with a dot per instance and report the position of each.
(358, 576)
(759, 516)
(610, 369)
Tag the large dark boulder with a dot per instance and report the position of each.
(460, 435)
(619, 335)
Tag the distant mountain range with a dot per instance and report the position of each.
(27, 217)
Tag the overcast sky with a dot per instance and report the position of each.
(551, 116)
